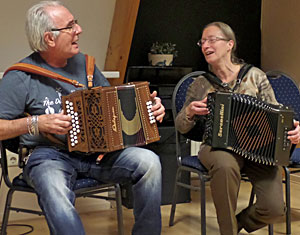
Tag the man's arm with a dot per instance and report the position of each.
(12, 128)
(57, 123)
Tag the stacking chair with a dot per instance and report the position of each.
(189, 163)
(287, 93)
(84, 187)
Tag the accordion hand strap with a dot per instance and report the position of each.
(30, 68)
(90, 65)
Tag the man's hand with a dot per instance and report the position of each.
(158, 109)
(57, 123)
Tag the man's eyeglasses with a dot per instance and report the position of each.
(211, 40)
(70, 28)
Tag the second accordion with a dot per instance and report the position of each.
(105, 119)
(249, 127)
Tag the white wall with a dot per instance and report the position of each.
(94, 16)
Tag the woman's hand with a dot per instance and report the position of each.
(158, 109)
(294, 135)
(197, 108)
(57, 123)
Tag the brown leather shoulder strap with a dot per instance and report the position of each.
(90, 66)
(30, 68)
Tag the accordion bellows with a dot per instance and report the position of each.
(249, 127)
(105, 119)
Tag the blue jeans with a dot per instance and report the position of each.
(52, 173)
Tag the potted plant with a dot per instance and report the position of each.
(162, 54)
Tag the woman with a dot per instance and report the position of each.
(218, 46)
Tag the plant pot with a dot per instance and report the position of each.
(160, 59)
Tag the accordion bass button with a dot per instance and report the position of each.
(67, 102)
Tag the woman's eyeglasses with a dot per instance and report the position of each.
(210, 40)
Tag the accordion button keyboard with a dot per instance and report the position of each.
(151, 116)
(75, 123)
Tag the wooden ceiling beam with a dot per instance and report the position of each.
(122, 30)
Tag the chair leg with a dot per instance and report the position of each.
(173, 208)
(6, 211)
(119, 209)
(251, 200)
(288, 200)
(203, 206)
(271, 229)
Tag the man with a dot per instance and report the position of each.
(51, 170)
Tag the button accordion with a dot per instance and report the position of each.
(106, 119)
(249, 127)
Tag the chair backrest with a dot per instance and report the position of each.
(180, 90)
(178, 99)
(286, 90)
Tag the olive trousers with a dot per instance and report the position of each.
(225, 169)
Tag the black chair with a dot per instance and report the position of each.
(191, 163)
(287, 93)
(84, 187)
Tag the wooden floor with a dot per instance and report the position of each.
(187, 219)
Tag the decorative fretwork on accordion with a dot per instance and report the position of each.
(106, 119)
(249, 127)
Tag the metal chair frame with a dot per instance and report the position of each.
(91, 191)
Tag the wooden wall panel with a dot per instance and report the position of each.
(120, 38)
